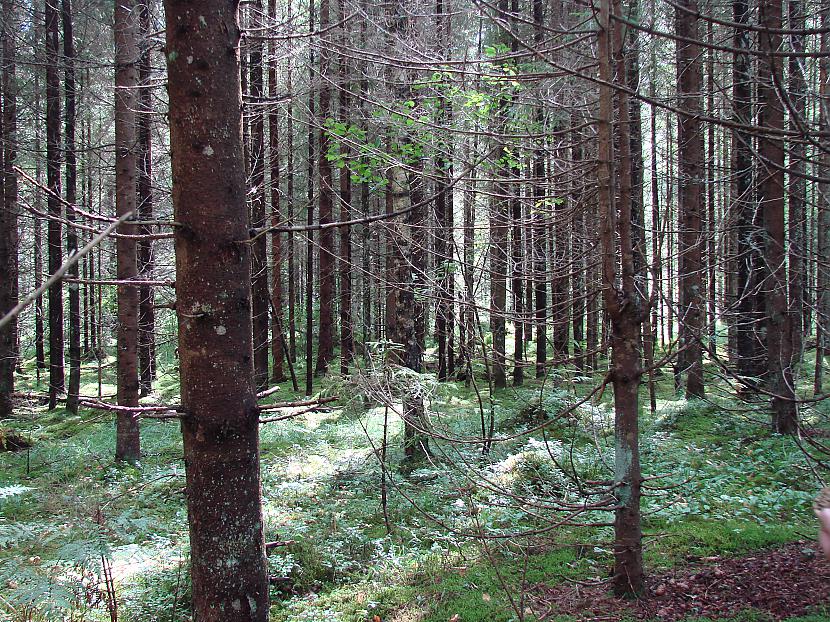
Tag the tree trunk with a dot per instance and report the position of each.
(213, 275)
(128, 444)
(259, 257)
(623, 305)
(797, 190)
(823, 207)
(309, 283)
(146, 262)
(73, 389)
(345, 267)
(749, 305)
(53, 182)
(444, 215)
(8, 214)
(404, 327)
(277, 332)
(325, 350)
(690, 195)
(779, 379)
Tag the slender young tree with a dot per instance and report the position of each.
(213, 302)
(128, 440)
(623, 304)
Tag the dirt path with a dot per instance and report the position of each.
(783, 582)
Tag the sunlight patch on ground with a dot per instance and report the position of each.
(133, 560)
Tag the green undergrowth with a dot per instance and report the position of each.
(718, 483)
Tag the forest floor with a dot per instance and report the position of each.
(782, 583)
(728, 525)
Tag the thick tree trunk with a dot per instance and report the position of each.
(691, 196)
(779, 378)
(127, 444)
(53, 182)
(213, 267)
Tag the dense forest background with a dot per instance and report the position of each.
(456, 304)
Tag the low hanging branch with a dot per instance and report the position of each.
(71, 261)
(176, 411)
(299, 404)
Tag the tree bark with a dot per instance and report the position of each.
(749, 305)
(213, 275)
(345, 250)
(779, 378)
(823, 207)
(691, 195)
(259, 257)
(797, 190)
(53, 182)
(74, 386)
(623, 305)
(8, 214)
(277, 253)
(146, 261)
(325, 344)
(128, 443)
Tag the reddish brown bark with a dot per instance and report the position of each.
(779, 378)
(213, 267)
